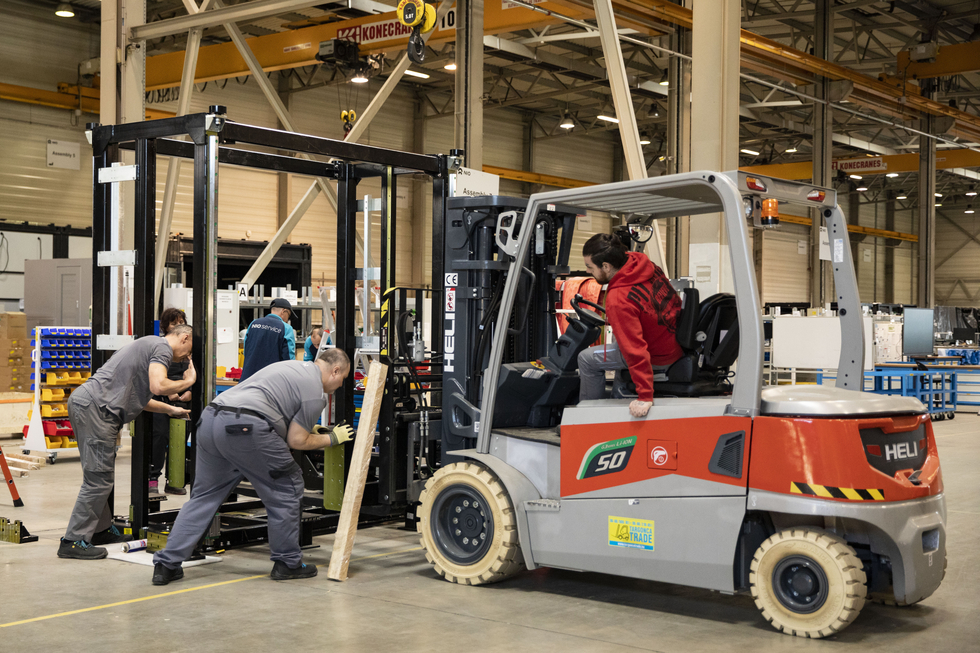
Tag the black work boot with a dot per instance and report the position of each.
(80, 550)
(162, 574)
(111, 535)
(170, 489)
(280, 571)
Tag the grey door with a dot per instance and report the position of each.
(70, 297)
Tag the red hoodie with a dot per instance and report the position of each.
(642, 308)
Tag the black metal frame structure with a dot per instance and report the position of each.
(211, 137)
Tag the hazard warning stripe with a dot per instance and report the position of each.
(827, 492)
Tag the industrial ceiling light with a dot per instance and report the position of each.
(414, 73)
(902, 197)
(969, 209)
(64, 10)
(566, 122)
(892, 174)
(972, 192)
(939, 194)
(855, 176)
(607, 118)
(791, 150)
(752, 152)
(450, 66)
(861, 189)
(359, 78)
(664, 81)
(938, 204)
(644, 139)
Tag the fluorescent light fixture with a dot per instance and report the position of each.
(608, 118)
(64, 10)
(902, 197)
(450, 66)
(790, 150)
(861, 189)
(856, 177)
(892, 174)
(752, 152)
(359, 78)
(414, 73)
(939, 194)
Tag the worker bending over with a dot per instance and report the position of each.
(118, 392)
(247, 432)
(642, 309)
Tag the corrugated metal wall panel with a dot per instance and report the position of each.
(956, 258)
(785, 272)
(582, 158)
(244, 102)
(39, 50)
(29, 189)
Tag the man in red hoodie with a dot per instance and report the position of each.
(642, 309)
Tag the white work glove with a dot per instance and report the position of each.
(338, 434)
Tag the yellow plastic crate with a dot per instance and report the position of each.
(53, 443)
(54, 410)
(52, 394)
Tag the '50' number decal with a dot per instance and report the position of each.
(606, 458)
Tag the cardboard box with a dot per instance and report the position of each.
(10, 375)
(13, 325)
(14, 343)
(15, 352)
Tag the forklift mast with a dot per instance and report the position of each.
(476, 264)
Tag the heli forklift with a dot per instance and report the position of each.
(813, 499)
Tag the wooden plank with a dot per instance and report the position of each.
(343, 542)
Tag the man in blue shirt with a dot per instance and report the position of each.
(269, 339)
(312, 345)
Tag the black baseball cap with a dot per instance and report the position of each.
(281, 302)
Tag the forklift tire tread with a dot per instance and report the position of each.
(835, 566)
(503, 557)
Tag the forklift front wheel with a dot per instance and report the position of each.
(469, 526)
(807, 582)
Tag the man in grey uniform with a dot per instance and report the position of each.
(118, 392)
(247, 432)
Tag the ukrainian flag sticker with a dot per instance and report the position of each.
(631, 533)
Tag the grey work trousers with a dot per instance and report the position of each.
(95, 431)
(230, 449)
(594, 362)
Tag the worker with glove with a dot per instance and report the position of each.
(247, 432)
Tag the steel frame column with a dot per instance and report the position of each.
(469, 82)
(344, 331)
(101, 242)
(440, 195)
(823, 143)
(143, 314)
(926, 297)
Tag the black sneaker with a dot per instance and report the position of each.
(80, 550)
(282, 572)
(163, 574)
(111, 535)
(170, 489)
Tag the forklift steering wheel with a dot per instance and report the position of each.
(588, 317)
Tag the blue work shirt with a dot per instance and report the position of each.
(309, 351)
(265, 344)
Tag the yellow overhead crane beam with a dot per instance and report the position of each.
(66, 97)
(296, 48)
(950, 60)
(879, 165)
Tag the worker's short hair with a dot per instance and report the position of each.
(317, 332)
(605, 248)
(181, 329)
(334, 356)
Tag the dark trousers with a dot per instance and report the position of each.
(159, 442)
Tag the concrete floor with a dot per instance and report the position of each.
(393, 601)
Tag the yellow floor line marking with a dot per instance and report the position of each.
(175, 592)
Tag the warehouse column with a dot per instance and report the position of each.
(469, 82)
(927, 209)
(282, 182)
(714, 144)
(823, 145)
(420, 189)
(679, 143)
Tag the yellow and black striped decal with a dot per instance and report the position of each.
(827, 492)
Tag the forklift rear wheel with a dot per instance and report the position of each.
(469, 526)
(807, 582)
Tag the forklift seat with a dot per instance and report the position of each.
(708, 334)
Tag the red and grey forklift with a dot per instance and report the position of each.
(813, 499)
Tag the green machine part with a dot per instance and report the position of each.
(177, 452)
(333, 478)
